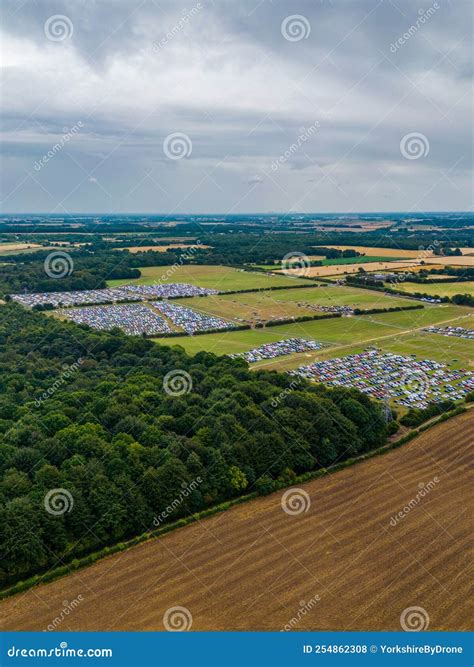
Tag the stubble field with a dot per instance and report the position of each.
(345, 560)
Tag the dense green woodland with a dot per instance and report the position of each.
(110, 435)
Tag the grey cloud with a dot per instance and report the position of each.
(229, 80)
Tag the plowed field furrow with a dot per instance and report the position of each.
(255, 567)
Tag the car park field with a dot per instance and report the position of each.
(338, 331)
(255, 566)
(222, 278)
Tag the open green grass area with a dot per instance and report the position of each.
(222, 278)
(347, 332)
(264, 306)
(438, 289)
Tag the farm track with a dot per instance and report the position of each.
(254, 566)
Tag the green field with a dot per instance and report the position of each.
(345, 331)
(438, 289)
(264, 306)
(223, 278)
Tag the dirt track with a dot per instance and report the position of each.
(254, 567)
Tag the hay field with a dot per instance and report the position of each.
(438, 289)
(465, 260)
(254, 566)
(376, 252)
(333, 270)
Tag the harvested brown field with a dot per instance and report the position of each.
(255, 566)
(6, 248)
(465, 260)
(338, 269)
(383, 252)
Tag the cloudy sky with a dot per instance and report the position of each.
(236, 106)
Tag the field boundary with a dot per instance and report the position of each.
(80, 563)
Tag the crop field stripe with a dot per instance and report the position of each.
(250, 567)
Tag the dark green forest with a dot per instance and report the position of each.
(86, 412)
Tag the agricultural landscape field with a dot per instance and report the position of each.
(268, 356)
(255, 566)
